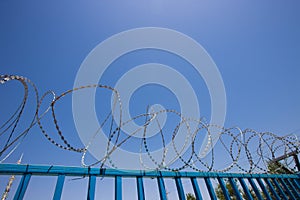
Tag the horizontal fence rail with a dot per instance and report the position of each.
(263, 186)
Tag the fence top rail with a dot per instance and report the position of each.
(51, 170)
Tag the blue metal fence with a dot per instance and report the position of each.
(264, 186)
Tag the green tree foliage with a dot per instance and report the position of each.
(278, 168)
(190, 196)
(273, 167)
(220, 194)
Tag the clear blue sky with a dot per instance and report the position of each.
(255, 46)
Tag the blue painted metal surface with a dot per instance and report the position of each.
(286, 189)
(264, 189)
(59, 187)
(91, 188)
(162, 189)
(270, 185)
(179, 188)
(293, 189)
(224, 189)
(235, 189)
(22, 187)
(282, 194)
(245, 188)
(196, 188)
(118, 187)
(296, 183)
(272, 189)
(140, 188)
(210, 188)
(255, 188)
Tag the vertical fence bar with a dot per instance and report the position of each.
(22, 187)
(264, 189)
(91, 188)
(298, 181)
(245, 188)
(286, 188)
(282, 194)
(196, 188)
(162, 189)
(274, 192)
(235, 189)
(140, 188)
(179, 188)
(296, 184)
(224, 189)
(295, 192)
(210, 188)
(256, 190)
(118, 188)
(59, 187)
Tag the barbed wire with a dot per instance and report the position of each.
(247, 150)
